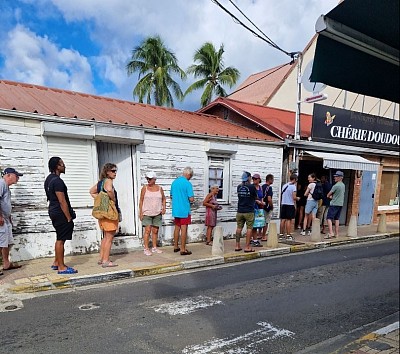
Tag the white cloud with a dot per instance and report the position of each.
(33, 59)
(118, 26)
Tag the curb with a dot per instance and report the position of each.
(91, 279)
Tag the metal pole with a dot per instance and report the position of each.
(297, 126)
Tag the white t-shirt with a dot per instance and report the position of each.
(311, 186)
(287, 195)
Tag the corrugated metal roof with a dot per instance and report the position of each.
(69, 104)
(259, 87)
(278, 121)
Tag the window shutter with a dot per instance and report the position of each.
(77, 156)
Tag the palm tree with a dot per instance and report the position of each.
(156, 64)
(213, 74)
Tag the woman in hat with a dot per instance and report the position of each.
(152, 204)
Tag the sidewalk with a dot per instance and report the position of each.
(36, 275)
(382, 341)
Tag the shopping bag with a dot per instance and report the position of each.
(104, 207)
(259, 220)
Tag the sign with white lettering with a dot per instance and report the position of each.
(341, 126)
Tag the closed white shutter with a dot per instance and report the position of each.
(77, 156)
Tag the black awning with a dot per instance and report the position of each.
(358, 48)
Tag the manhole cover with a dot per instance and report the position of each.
(87, 307)
(11, 307)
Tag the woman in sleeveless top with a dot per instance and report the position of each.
(152, 204)
(211, 204)
(109, 227)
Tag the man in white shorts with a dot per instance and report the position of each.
(10, 176)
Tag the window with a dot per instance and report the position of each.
(218, 174)
(389, 193)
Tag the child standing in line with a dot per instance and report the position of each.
(211, 204)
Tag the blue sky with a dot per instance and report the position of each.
(84, 45)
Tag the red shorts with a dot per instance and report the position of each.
(183, 221)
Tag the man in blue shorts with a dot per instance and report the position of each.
(336, 195)
(182, 195)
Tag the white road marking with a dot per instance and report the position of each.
(185, 306)
(245, 344)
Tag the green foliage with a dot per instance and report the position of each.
(209, 67)
(155, 65)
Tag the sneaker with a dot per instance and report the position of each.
(147, 252)
(308, 232)
(156, 250)
(289, 238)
(281, 237)
(303, 232)
(255, 243)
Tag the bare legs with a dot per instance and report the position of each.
(209, 234)
(286, 226)
(105, 246)
(248, 238)
(330, 226)
(183, 233)
(59, 255)
(5, 253)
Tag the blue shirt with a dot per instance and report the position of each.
(181, 191)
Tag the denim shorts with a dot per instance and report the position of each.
(311, 206)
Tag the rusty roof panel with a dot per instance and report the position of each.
(48, 101)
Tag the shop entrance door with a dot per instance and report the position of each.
(367, 196)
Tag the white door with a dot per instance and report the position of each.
(121, 155)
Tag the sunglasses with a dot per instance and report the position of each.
(113, 171)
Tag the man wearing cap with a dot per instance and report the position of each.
(336, 195)
(182, 195)
(10, 176)
(247, 196)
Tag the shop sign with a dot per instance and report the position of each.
(341, 126)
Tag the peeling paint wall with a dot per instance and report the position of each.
(22, 146)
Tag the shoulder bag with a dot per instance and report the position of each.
(104, 207)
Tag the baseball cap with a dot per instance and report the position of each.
(256, 175)
(338, 174)
(151, 174)
(245, 176)
(9, 170)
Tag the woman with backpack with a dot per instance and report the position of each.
(311, 205)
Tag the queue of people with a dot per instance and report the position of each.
(305, 203)
(255, 206)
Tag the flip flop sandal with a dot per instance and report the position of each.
(54, 267)
(12, 266)
(209, 243)
(177, 249)
(186, 253)
(249, 251)
(69, 270)
(238, 249)
(108, 264)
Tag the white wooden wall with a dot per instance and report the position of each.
(23, 148)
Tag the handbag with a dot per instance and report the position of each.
(104, 207)
(259, 219)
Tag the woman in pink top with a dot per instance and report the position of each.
(151, 209)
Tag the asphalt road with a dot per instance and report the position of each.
(277, 305)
